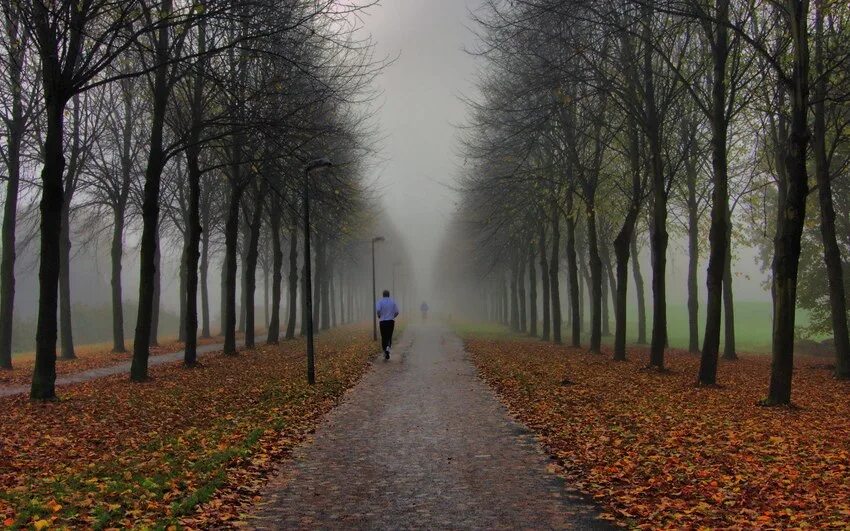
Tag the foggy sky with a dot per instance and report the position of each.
(420, 109)
(422, 106)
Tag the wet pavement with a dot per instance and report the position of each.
(421, 443)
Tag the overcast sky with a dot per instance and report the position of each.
(420, 107)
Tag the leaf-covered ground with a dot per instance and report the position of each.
(88, 357)
(189, 448)
(655, 450)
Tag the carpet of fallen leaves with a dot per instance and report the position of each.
(191, 448)
(88, 357)
(654, 450)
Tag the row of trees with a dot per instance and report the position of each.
(189, 121)
(611, 124)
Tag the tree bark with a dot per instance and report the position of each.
(192, 252)
(572, 276)
(277, 266)
(831, 251)
(595, 264)
(326, 288)
(514, 296)
(15, 127)
(52, 197)
(231, 241)
(544, 280)
(205, 268)
(658, 230)
(150, 206)
(183, 274)
(554, 264)
(251, 264)
(639, 291)
(66, 331)
(293, 279)
(718, 241)
(116, 255)
(691, 174)
(157, 294)
(532, 293)
(790, 228)
(523, 315)
(223, 296)
(729, 351)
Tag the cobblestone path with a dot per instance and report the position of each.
(421, 442)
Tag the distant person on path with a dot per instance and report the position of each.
(387, 311)
(424, 309)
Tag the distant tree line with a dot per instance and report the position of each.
(190, 123)
(605, 126)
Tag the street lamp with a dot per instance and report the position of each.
(375, 240)
(308, 281)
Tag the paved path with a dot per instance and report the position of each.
(421, 442)
(111, 370)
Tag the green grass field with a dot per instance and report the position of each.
(752, 326)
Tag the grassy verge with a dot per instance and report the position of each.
(190, 448)
(657, 451)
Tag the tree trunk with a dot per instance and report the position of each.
(608, 285)
(223, 296)
(193, 254)
(116, 255)
(157, 295)
(790, 227)
(332, 294)
(65, 326)
(718, 241)
(544, 280)
(205, 267)
(596, 301)
(304, 317)
(52, 198)
(831, 251)
(243, 259)
(514, 296)
(572, 276)
(317, 281)
(729, 352)
(150, 208)
(181, 290)
(277, 265)
(231, 242)
(293, 279)
(251, 264)
(621, 251)
(554, 264)
(523, 315)
(691, 174)
(658, 230)
(14, 138)
(532, 293)
(326, 289)
(639, 291)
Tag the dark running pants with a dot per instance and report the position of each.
(387, 328)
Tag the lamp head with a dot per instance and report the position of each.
(377, 239)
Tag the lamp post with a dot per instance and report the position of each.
(308, 281)
(375, 240)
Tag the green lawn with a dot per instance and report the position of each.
(752, 326)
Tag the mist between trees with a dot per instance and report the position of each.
(183, 129)
(604, 127)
